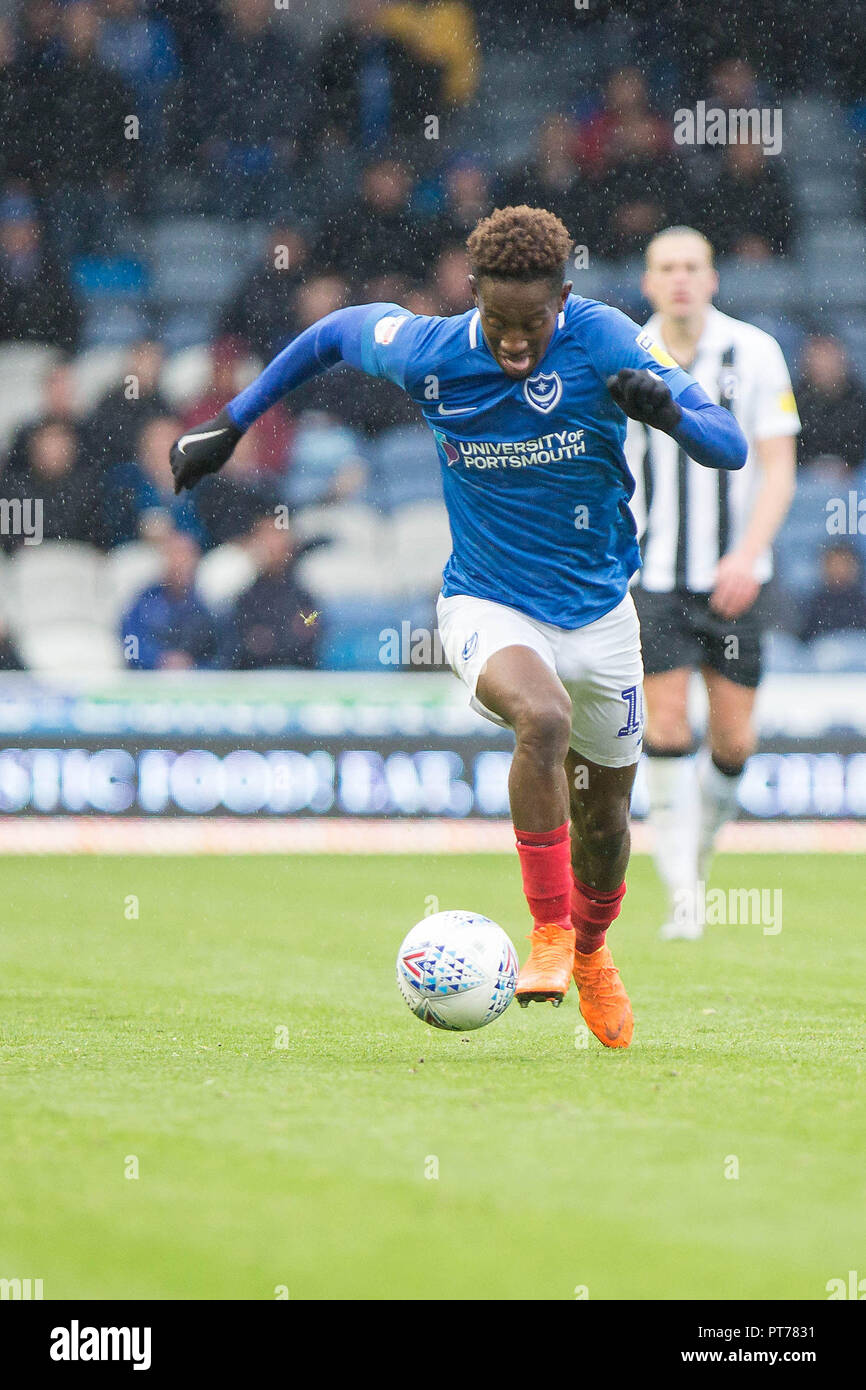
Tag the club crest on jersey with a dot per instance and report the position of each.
(543, 391)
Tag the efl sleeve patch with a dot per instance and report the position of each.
(387, 328)
(649, 344)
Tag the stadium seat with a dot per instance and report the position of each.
(357, 560)
(23, 369)
(352, 524)
(405, 467)
(340, 572)
(223, 574)
(195, 261)
(784, 655)
(823, 196)
(189, 325)
(60, 608)
(845, 239)
(57, 580)
(70, 648)
(420, 546)
(113, 322)
(353, 628)
(772, 288)
(94, 277)
(186, 374)
(96, 371)
(839, 651)
(813, 125)
(319, 452)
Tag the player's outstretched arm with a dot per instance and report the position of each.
(335, 338)
(708, 433)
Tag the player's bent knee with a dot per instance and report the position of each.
(544, 728)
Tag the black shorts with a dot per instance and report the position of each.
(680, 629)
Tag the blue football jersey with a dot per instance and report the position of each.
(533, 471)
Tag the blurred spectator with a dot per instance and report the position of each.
(139, 47)
(113, 430)
(56, 483)
(274, 621)
(262, 313)
(36, 303)
(89, 158)
(642, 190)
(27, 61)
(551, 180)
(58, 402)
(15, 125)
(832, 404)
(422, 300)
(733, 87)
(188, 20)
(169, 626)
(346, 396)
(135, 488)
(245, 96)
(317, 297)
(749, 211)
(269, 436)
(467, 198)
(376, 232)
(839, 605)
(230, 502)
(441, 35)
(370, 88)
(39, 29)
(611, 132)
(451, 281)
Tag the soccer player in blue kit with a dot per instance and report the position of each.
(527, 396)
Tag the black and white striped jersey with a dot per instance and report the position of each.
(689, 516)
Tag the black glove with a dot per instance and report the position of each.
(643, 396)
(203, 450)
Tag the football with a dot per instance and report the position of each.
(457, 970)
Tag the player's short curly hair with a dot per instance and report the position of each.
(520, 243)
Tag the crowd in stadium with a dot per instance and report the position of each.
(151, 265)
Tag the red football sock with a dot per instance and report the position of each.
(545, 863)
(592, 913)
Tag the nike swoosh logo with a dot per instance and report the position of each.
(461, 410)
(194, 438)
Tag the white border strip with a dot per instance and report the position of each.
(340, 835)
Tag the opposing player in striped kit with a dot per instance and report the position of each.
(706, 547)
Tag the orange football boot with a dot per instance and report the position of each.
(547, 973)
(603, 1001)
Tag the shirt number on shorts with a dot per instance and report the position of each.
(634, 712)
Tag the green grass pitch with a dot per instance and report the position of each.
(312, 1166)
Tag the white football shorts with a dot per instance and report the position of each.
(600, 666)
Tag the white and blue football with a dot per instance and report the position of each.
(457, 970)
